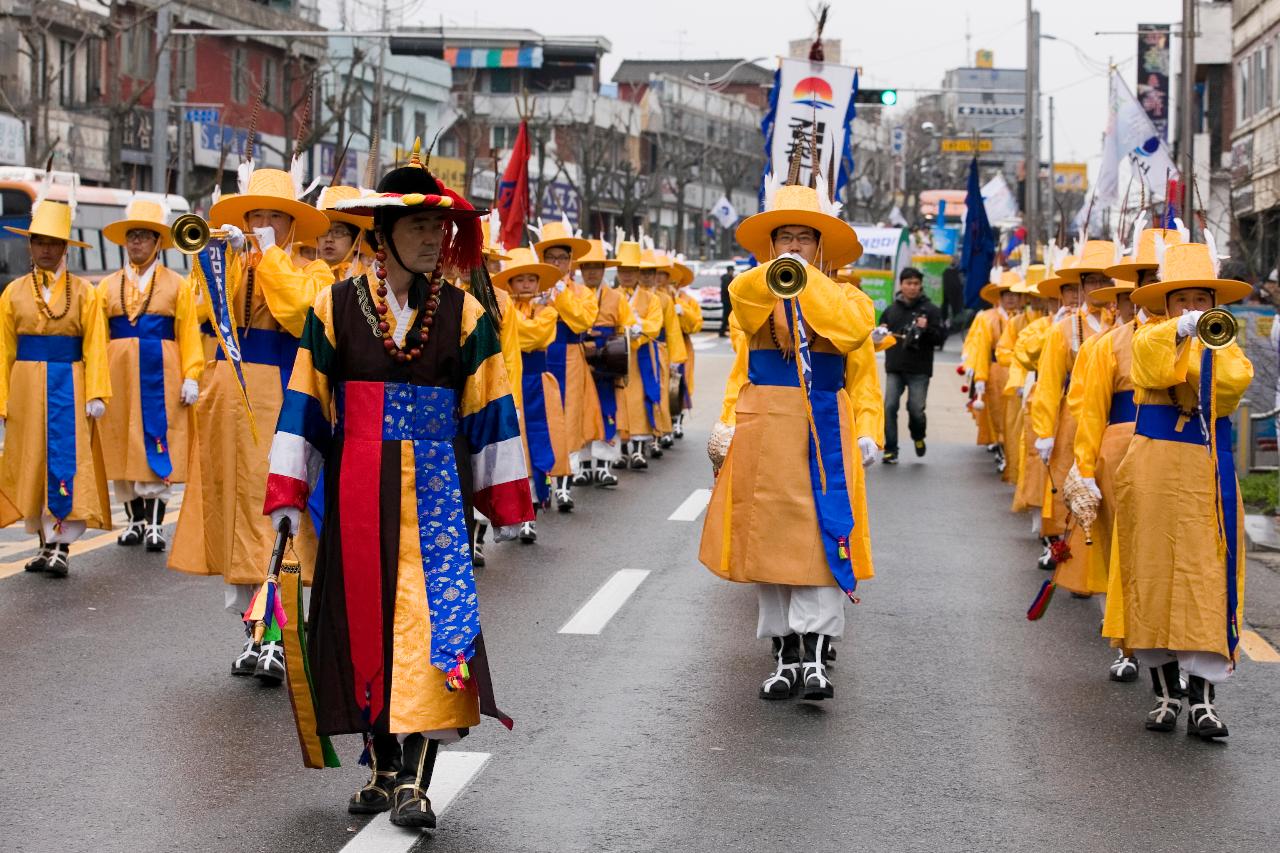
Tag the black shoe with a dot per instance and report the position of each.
(528, 533)
(604, 478)
(993, 447)
(410, 807)
(817, 685)
(666, 442)
(1164, 681)
(40, 562)
(155, 520)
(890, 457)
(58, 563)
(1046, 561)
(1001, 462)
(270, 668)
(247, 661)
(655, 449)
(564, 499)
(583, 477)
(384, 763)
(786, 675)
(135, 512)
(1124, 669)
(920, 448)
(638, 462)
(1202, 717)
(677, 429)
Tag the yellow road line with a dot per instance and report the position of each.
(1257, 648)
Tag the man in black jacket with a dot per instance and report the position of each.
(917, 324)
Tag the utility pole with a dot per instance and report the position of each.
(181, 188)
(702, 166)
(1053, 184)
(1031, 205)
(160, 104)
(1186, 113)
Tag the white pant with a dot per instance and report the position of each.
(127, 490)
(604, 451)
(800, 610)
(1212, 667)
(65, 534)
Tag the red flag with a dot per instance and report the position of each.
(513, 192)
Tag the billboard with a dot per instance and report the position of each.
(1153, 74)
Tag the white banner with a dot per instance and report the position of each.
(999, 201)
(13, 141)
(811, 95)
(1131, 134)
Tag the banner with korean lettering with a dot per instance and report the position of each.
(811, 97)
(210, 272)
(1153, 74)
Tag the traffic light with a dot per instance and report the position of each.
(880, 97)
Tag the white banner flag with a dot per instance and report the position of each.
(724, 212)
(1130, 134)
(999, 201)
(811, 95)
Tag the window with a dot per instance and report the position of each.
(271, 82)
(67, 74)
(395, 126)
(138, 50)
(1267, 75)
(1259, 77)
(1244, 106)
(93, 71)
(355, 113)
(502, 81)
(184, 64)
(448, 145)
(503, 136)
(240, 75)
(420, 125)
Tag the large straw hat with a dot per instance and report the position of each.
(800, 205)
(629, 255)
(51, 219)
(1035, 275)
(560, 234)
(648, 259)
(271, 189)
(595, 255)
(1145, 259)
(1097, 257)
(991, 291)
(1051, 287)
(141, 213)
(492, 251)
(330, 196)
(524, 262)
(681, 274)
(1188, 265)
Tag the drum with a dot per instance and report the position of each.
(610, 359)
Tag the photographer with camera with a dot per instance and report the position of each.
(917, 324)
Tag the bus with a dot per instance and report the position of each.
(96, 207)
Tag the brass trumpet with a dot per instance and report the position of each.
(1217, 328)
(191, 233)
(786, 278)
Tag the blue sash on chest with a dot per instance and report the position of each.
(60, 354)
(1123, 409)
(151, 330)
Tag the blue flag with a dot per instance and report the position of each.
(211, 271)
(979, 249)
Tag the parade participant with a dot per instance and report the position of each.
(1179, 524)
(156, 358)
(671, 348)
(689, 311)
(54, 383)
(989, 293)
(342, 247)
(613, 317)
(791, 417)
(989, 376)
(1012, 388)
(531, 285)
(639, 407)
(423, 428)
(220, 529)
(566, 358)
(1054, 422)
(1029, 492)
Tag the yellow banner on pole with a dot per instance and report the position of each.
(961, 145)
(1070, 177)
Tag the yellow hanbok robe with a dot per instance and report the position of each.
(1014, 378)
(633, 410)
(690, 324)
(577, 307)
(537, 329)
(988, 327)
(1030, 488)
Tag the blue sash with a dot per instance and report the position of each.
(542, 454)
(832, 506)
(649, 365)
(605, 390)
(1123, 409)
(59, 353)
(151, 330)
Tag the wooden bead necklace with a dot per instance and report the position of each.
(412, 348)
(37, 276)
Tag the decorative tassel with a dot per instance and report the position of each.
(1041, 602)
(1059, 550)
(843, 545)
(457, 678)
(62, 488)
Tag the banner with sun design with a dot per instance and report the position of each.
(812, 97)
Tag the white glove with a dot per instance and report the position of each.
(1092, 485)
(635, 330)
(95, 408)
(560, 287)
(793, 256)
(1044, 446)
(869, 449)
(679, 309)
(979, 388)
(879, 333)
(290, 512)
(235, 237)
(1020, 391)
(190, 391)
(266, 238)
(1187, 323)
(506, 534)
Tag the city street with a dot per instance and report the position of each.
(632, 675)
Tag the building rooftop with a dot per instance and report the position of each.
(638, 70)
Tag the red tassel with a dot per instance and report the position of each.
(1041, 602)
(462, 249)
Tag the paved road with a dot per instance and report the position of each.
(957, 724)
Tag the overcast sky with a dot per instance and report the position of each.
(898, 43)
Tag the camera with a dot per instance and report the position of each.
(911, 337)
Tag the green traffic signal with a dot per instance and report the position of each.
(889, 97)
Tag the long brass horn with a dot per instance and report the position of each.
(190, 233)
(786, 278)
(1217, 328)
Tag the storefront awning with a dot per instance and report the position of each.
(494, 57)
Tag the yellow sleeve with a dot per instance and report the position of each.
(1232, 374)
(651, 321)
(290, 292)
(862, 383)
(8, 347)
(737, 374)
(1159, 360)
(577, 309)
(675, 337)
(1004, 346)
(626, 316)
(509, 338)
(832, 314)
(1017, 377)
(1026, 351)
(187, 331)
(1075, 389)
(886, 342)
(691, 318)
(1093, 411)
(97, 376)
(1052, 370)
(537, 332)
(980, 349)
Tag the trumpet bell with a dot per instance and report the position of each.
(786, 278)
(1217, 328)
(190, 233)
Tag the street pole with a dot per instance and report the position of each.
(160, 104)
(1186, 112)
(1053, 184)
(1031, 154)
(181, 188)
(702, 166)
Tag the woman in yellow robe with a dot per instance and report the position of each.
(221, 530)
(1015, 374)
(1179, 519)
(54, 384)
(156, 358)
(989, 376)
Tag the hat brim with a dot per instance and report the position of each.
(547, 275)
(991, 292)
(308, 223)
(682, 276)
(1128, 270)
(607, 262)
(495, 255)
(26, 233)
(364, 223)
(840, 246)
(1225, 290)
(118, 232)
(578, 246)
(1111, 293)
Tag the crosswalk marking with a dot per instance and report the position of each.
(607, 601)
(454, 771)
(692, 506)
(1257, 648)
